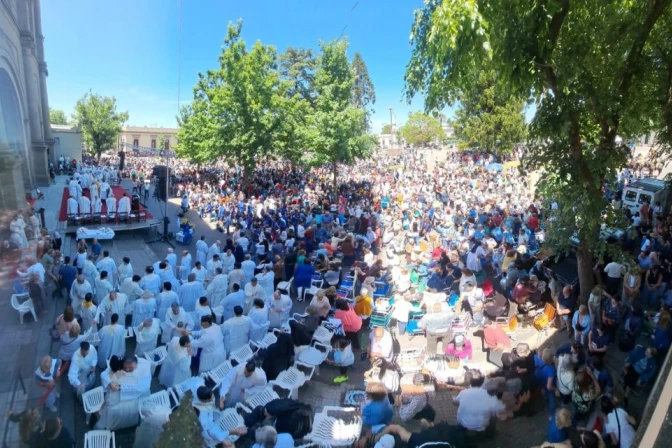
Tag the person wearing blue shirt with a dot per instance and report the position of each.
(575, 349)
(96, 249)
(377, 410)
(558, 428)
(639, 368)
(545, 375)
(566, 303)
(581, 324)
(67, 275)
(604, 378)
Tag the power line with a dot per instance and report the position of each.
(349, 13)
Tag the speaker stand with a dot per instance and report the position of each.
(163, 237)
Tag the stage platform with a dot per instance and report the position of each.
(117, 227)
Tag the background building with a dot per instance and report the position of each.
(144, 137)
(25, 135)
(67, 141)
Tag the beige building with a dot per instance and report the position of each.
(146, 138)
(25, 135)
(67, 141)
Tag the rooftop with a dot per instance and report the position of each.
(149, 129)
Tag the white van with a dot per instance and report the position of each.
(648, 190)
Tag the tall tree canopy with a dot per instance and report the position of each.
(297, 66)
(336, 129)
(595, 70)
(239, 109)
(57, 116)
(421, 129)
(363, 91)
(183, 429)
(488, 118)
(387, 129)
(99, 121)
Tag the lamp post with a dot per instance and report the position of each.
(391, 128)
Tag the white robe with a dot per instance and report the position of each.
(112, 342)
(212, 344)
(132, 290)
(171, 321)
(108, 265)
(200, 274)
(248, 267)
(227, 263)
(151, 282)
(214, 249)
(125, 271)
(85, 206)
(230, 301)
(217, 289)
(237, 387)
(266, 281)
(104, 187)
(90, 273)
(117, 306)
(77, 293)
(121, 407)
(111, 204)
(164, 302)
(124, 205)
(103, 288)
(88, 316)
(212, 266)
(146, 339)
(251, 293)
(143, 309)
(201, 251)
(284, 306)
(97, 206)
(73, 206)
(185, 267)
(190, 292)
(80, 367)
(177, 366)
(236, 333)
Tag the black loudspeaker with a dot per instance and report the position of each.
(135, 203)
(122, 158)
(162, 189)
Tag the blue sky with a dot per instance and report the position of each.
(129, 48)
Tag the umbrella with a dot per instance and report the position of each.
(494, 167)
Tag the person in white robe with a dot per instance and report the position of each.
(185, 265)
(236, 331)
(278, 309)
(253, 291)
(97, 206)
(237, 276)
(123, 392)
(166, 273)
(248, 266)
(176, 368)
(89, 312)
(131, 287)
(211, 343)
(85, 206)
(124, 205)
(90, 272)
(82, 371)
(125, 270)
(241, 383)
(80, 288)
(114, 303)
(107, 264)
(202, 250)
(228, 261)
(104, 190)
(94, 191)
(200, 273)
(176, 319)
(236, 298)
(171, 258)
(18, 228)
(74, 189)
(165, 299)
(103, 287)
(73, 206)
(258, 313)
(217, 288)
(144, 308)
(112, 341)
(208, 417)
(147, 335)
(190, 292)
(111, 206)
(151, 281)
(266, 280)
(215, 249)
(214, 264)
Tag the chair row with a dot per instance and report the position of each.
(112, 217)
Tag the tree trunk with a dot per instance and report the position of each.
(335, 172)
(585, 262)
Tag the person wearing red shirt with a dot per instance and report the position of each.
(352, 323)
(495, 342)
(533, 223)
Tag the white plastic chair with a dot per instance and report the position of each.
(192, 383)
(291, 379)
(156, 356)
(323, 335)
(159, 399)
(258, 333)
(99, 439)
(243, 354)
(219, 373)
(266, 342)
(333, 431)
(93, 401)
(315, 354)
(230, 419)
(306, 369)
(262, 398)
(23, 307)
(315, 286)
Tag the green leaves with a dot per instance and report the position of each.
(57, 116)
(99, 121)
(421, 129)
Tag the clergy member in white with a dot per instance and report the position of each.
(80, 288)
(215, 249)
(185, 265)
(279, 309)
(85, 206)
(124, 205)
(266, 279)
(103, 287)
(210, 341)
(214, 264)
(242, 382)
(171, 258)
(200, 273)
(190, 292)
(208, 417)
(248, 266)
(73, 206)
(217, 288)
(111, 206)
(202, 250)
(82, 372)
(112, 341)
(151, 281)
(89, 312)
(253, 291)
(236, 298)
(146, 336)
(125, 270)
(144, 308)
(228, 261)
(177, 366)
(175, 319)
(114, 303)
(107, 264)
(131, 287)
(165, 300)
(236, 331)
(90, 272)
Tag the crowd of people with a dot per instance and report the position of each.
(456, 247)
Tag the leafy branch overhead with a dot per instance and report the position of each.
(421, 129)
(99, 122)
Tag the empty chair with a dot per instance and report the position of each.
(230, 419)
(99, 439)
(123, 217)
(156, 356)
(306, 369)
(315, 354)
(338, 429)
(263, 339)
(291, 379)
(262, 398)
(93, 401)
(258, 333)
(323, 335)
(243, 354)
(24, 307)
(156, 400)
(142, 216)
(218, 374)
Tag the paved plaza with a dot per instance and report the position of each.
(24, 345)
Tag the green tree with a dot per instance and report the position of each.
(336, 129)
(488, 119)
(594, 70)
(387, 129)
(363, 92)
(421, 129)
(297, 66)
(99, 121)
(57, 116)
(183, 430)
(238, 111)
